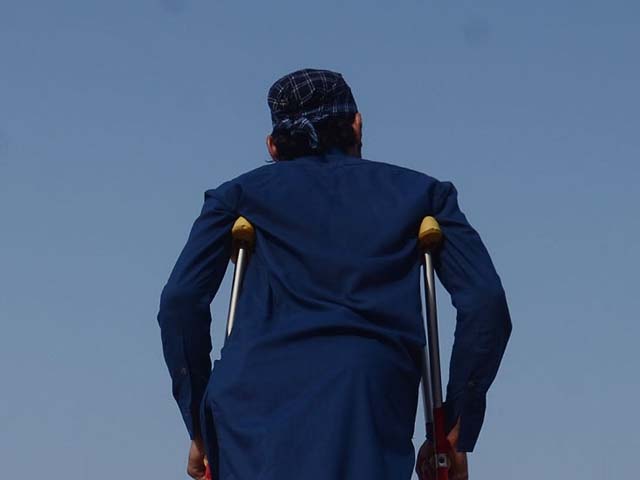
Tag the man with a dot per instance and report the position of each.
(319, 378)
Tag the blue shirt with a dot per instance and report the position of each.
(325, 351)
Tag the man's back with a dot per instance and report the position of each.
(329, 330)
(335, 234)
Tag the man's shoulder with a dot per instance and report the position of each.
(400, 172)
(257, 174)
(229, 193)
(411, 180)
(394, 167)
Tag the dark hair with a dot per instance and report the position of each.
(334, 132)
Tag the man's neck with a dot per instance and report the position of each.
(355, 151)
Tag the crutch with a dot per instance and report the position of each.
(430, 238)
(244, 237)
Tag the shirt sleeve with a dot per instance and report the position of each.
(483, 323)
(185, 315)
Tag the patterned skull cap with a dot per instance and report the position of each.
(301, 99)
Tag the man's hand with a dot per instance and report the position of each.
(425, 466)
(195, 466)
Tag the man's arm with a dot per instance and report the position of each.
(184, 315)
(483, 323)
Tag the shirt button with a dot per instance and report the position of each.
(183, 371)
(471, 384)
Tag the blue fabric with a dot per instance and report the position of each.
(319, 378)
(300, 100)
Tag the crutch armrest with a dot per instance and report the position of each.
(430, 234)
(243, 232)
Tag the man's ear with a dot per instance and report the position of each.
(272, 148)
(357, 127)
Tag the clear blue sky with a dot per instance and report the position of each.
(116, 116)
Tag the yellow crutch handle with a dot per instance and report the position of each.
(430, 234)
(244, 232)
(244, 236)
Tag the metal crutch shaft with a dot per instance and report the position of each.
(430, 238)
(244, 237)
